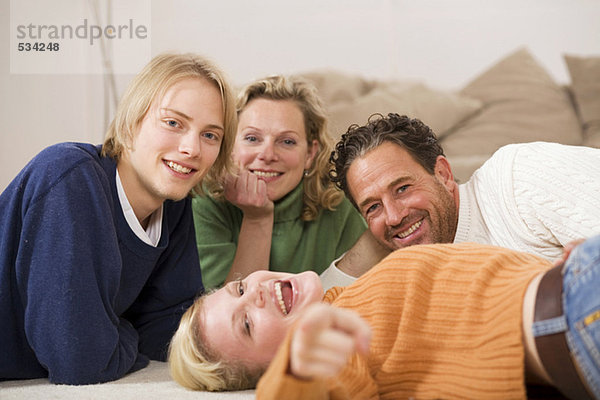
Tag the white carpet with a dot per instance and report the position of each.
(152, 382)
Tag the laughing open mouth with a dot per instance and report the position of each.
(284, 293)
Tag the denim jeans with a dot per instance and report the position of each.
(581, 306)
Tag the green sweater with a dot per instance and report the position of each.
(296, 245)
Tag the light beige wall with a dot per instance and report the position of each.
(39, 110)
(444, 42)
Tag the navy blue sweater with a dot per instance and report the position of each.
(82, 298)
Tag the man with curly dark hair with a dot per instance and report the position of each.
(530, 197)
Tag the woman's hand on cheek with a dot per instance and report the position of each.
(324, 339)
(249, 193)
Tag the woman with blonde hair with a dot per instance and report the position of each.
(98, 255)
(438, 321)
(279, 210)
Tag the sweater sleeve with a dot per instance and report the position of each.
(67, 281)
(353, 382)
(537, 197)
(216, 238)
(560, 201)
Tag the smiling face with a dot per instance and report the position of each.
(177, 142)
(271, 143)
(247, 320)
(402, 203)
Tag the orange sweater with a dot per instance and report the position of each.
(446, 323)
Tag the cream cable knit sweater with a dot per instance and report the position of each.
(533, 197)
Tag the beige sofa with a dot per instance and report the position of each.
(514, 100)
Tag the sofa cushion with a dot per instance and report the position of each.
(338, 87)
(521, 103)
(585, 85)
(441, 110)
